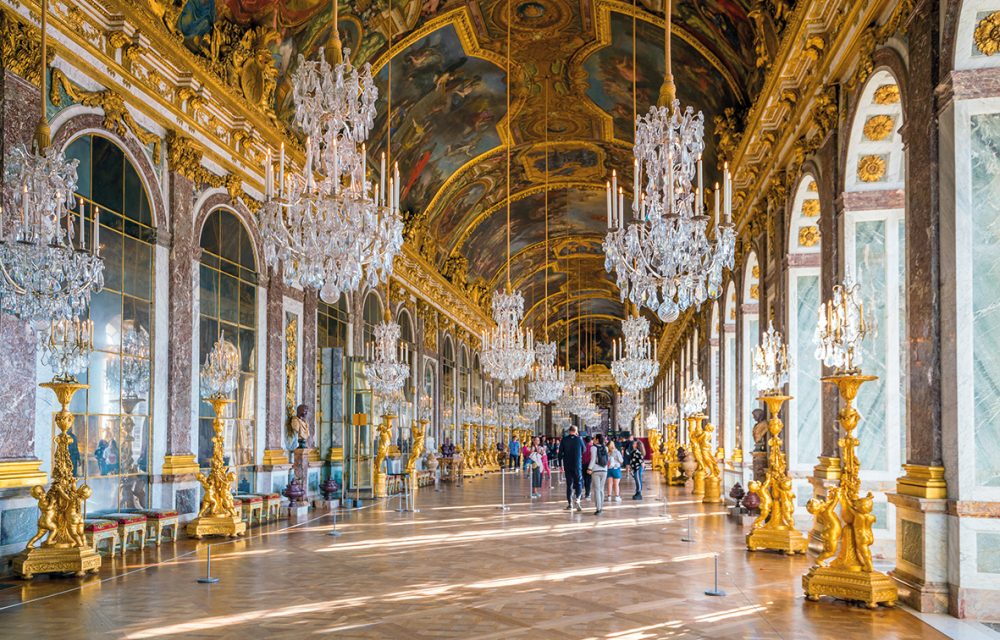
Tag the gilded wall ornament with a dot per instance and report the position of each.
(987, 34)
(116, 116)
(808, 236)
(886, 94)
(825, 110)
(810, 207)
(19, 44)
(879, 127)
(184, 156)
(291, 362)
(871, 168)
(728, 133)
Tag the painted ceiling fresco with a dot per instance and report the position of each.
(450, 124)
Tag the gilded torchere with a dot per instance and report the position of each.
(673, 463)
(218, 514)
(847, 538)
(379, 476)
(775, 528)
(419, 432)
(656, 457)
(713, 476)
(695, 438)
(65, 549)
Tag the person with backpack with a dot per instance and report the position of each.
(535, 459)
(636, 462)
(587, 480)
(597, 469)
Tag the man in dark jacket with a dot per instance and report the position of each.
(571, 453)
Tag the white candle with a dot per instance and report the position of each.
(267, 175)
(716, 196)
(395, 174)
(701, 190)
(281, 170)
(97, 230)
(381, 173)
(608, 188)
(81, 240)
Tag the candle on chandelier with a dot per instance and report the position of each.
(381, 178)
(701, 189)
(608, 187)
(267, 174)
(97, 230)
(395, 175)
(636, 171)
(281, 170)
(715, 194)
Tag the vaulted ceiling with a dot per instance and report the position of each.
(450, 127)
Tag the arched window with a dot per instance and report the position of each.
(463, 378)
(112, 429)
(805, 418)
(228, 308)
(372, 317)
(449, 416)
(713, 370)
(751, 338)
(874, 252)
(331, 340)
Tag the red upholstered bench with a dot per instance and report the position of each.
(271, 505)
(253, 507)
(158, 521)
(130, 526)
(99, 529)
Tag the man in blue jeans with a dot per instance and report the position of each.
(571, 453)
(515, 453)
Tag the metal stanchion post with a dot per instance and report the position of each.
(716, 591)
(208, 579)
(688, 537)
(334, 532)
(503, 491)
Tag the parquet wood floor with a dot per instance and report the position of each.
(460, 568)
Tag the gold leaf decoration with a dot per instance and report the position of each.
(871, 168)
(810, 208)
(879, 127)
(755, 291)
(987, 34)
(812, 188)
(808, 236)
(887, 94)
(756, 271)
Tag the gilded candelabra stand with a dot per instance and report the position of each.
(775, 528)
(656, 456)
(673, 463)
(65, 549)
(383, 432)
(695, 434)
(847, 537)
(419, 432)
(218, 515)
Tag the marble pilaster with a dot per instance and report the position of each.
(181, 416)
(274, 374)
(19, 464)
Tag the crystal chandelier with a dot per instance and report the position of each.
(664, 259)
(531, 411)
(628, 407)
(547, 380)
(387, 365)
(634, 366)
(131, 370)
(841, 327)
(694, 400)
(47, 270)
(770, 363)
(221, 371)
(508, 350)
(508, 406)
(331, 227)
(67, 349)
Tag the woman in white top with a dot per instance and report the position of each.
(598, 470)
(615, 462)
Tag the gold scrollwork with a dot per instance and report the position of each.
(871, 168)
(184, 156)
(987, 34)
(291, 362)
(878, 127)
(19, 48)
(116, 116)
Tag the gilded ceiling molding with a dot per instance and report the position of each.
(116, 116)
(426, 282)
(19, 48)
(987, 34)
(554, 260)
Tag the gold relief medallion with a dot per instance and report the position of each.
(808, 236)
(887, 94)
(810, 208)
(987, 34)
(879, 127)
(871, 168)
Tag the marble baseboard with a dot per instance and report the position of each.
(979, 604)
